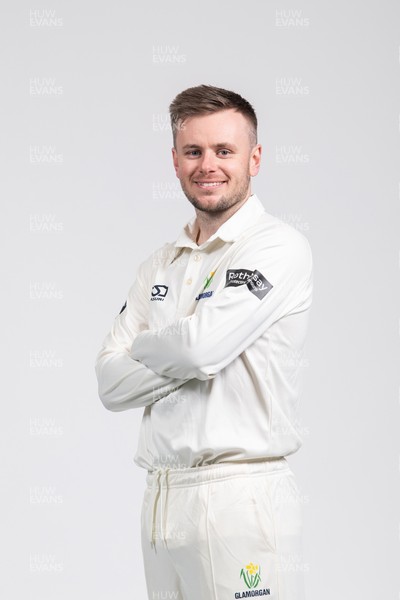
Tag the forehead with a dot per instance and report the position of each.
(224, 125)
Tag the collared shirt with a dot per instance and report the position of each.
(211, 343)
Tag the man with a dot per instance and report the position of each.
(210, 343)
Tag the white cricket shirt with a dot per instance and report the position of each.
(211, 344)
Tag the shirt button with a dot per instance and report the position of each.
(189, 281)
(196, 257)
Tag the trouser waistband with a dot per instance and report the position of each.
(203, 474)
(162, 479)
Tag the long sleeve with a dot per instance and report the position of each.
(123, 382)
(265, 282)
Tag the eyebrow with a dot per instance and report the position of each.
(219, 145)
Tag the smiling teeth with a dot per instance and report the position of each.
(212, 184)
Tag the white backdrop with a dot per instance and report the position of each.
(88, 191)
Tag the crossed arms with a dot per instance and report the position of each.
(134, 360)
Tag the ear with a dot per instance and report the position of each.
(255, 160)
(175, 160)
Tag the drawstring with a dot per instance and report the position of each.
(158, 475)
(156, 479)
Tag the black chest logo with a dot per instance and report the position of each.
(158, 292)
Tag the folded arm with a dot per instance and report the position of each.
(259, 288)
(123, 382)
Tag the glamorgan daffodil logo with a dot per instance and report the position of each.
(208, 280)
(252, 575)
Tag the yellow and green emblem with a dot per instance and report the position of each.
(208, 280)
(252, 575)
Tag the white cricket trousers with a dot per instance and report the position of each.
(224, 531)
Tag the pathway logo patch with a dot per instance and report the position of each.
(259, 285)
(254, 280)
(235, 277)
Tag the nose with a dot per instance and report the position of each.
(208, 162)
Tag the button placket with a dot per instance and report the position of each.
(190, 281)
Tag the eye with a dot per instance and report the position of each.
(192, 152)
(224, 152)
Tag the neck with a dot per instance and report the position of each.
(209, 222)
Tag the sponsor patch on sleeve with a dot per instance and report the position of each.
(235, 277)
(254, 281)
(259, 285)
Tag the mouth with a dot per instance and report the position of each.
(206, 185)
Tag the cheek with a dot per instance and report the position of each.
(180, 170)
(239, 169)
(186, 170)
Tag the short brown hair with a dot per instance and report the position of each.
(205, 99)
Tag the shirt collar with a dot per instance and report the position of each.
(229, 231)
